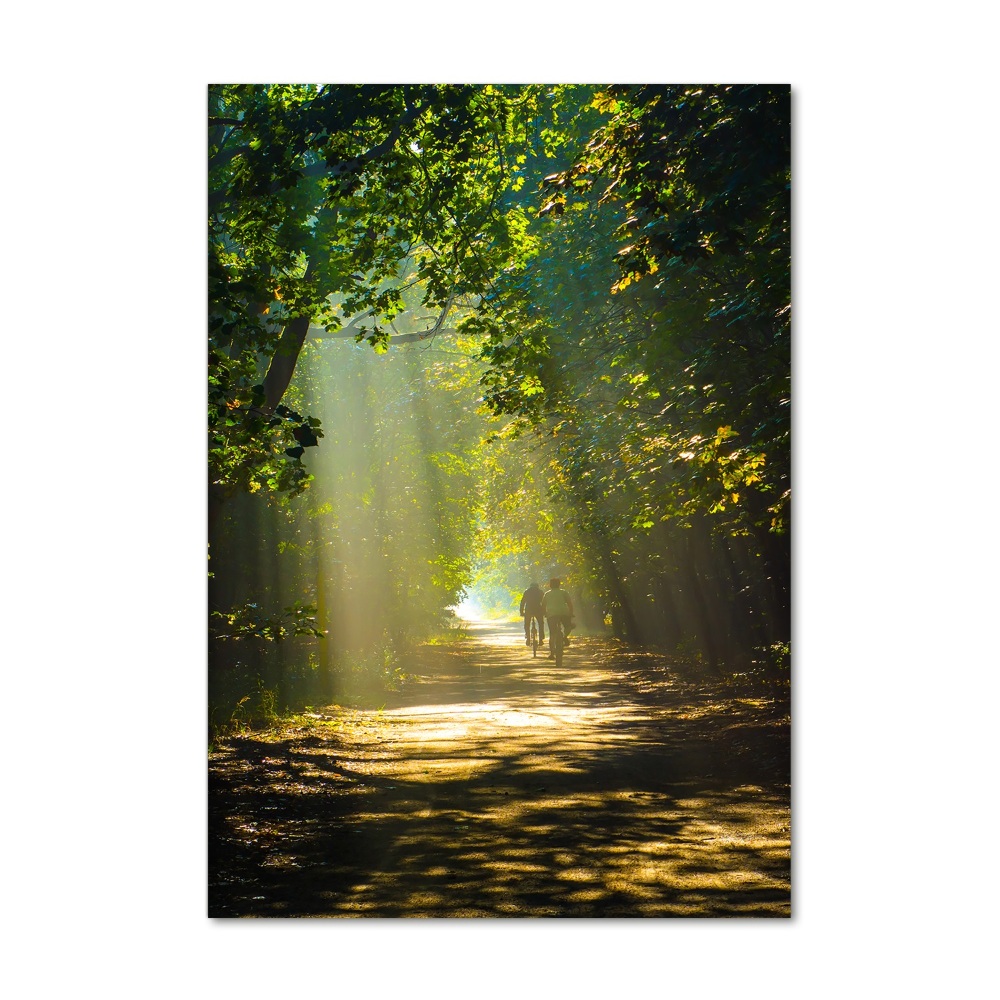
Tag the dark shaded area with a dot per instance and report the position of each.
(652, 810)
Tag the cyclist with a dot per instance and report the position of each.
(557, 608)
(531, 607)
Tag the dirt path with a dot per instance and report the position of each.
(495, 786)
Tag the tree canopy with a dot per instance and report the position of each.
(325, 205)
(465, 335)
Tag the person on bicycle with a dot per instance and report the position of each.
(531, 607)
(557, 608)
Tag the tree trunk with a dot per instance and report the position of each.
(282, 367)
(705, 630)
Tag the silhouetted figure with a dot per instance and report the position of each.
(557, 608)
(531, 607)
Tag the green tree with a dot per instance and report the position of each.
(653, 352)
(318, 198)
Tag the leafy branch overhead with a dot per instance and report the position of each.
(658, 307)
(322, 200)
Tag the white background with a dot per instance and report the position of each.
(895, 359)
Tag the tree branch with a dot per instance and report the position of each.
(320, 333)
(282, 366)
(321, 167)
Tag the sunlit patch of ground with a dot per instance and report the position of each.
(498, 786)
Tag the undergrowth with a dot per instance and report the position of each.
(246, 699)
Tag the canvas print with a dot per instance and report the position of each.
(499, 500)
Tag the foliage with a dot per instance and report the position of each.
(322, 199)
(652, 359)
(239, 428)
(373, 671)
(248, 622)
(250, 711)
(609, 402)
(681, 334)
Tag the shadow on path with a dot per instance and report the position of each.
(495, 785)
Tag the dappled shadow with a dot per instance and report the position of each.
(496, 786)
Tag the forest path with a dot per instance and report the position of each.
(495, 785)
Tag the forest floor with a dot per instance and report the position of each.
(494, 785)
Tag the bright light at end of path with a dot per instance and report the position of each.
(469, 611)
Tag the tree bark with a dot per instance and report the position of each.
(282, 367)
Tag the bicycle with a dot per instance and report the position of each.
(534, 636)
(557, 639)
